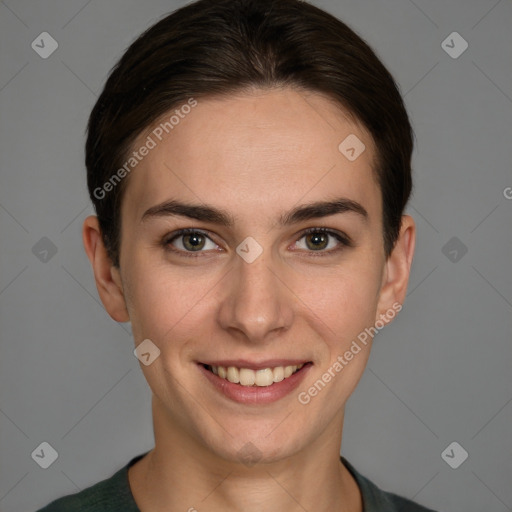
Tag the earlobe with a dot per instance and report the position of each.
(108, 281)
(397, 269)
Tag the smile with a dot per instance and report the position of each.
(248, 377)
(255, 383)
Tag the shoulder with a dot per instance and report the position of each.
(377, 500)
(109, 495)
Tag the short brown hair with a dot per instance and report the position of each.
(217, 47)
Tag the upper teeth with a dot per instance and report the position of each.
(248, 377)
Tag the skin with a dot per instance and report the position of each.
(256, 155)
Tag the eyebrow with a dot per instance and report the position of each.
(221, 217)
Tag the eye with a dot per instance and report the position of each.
(324, 240)
(189, 241)
(186, 242)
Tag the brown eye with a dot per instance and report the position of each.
(193, 242)
(317, 241)
(188, 241)
(323, 240)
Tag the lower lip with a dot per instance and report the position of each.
(256, 394)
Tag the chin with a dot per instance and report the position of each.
(259, 448)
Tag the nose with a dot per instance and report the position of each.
(257, 305)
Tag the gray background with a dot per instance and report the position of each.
(439, 373)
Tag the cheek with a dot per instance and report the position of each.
(168, 303)
(347, 298)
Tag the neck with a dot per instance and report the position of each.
(180, 474)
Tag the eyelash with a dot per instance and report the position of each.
(344, 240)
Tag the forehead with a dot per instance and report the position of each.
(265, 149)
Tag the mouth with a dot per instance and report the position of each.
(249, 377)
(253, 384)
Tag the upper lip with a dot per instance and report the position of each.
(255, 365)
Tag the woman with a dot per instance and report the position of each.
(249, 163)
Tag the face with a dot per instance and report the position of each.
(261, 280)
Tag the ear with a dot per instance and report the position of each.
(108, 279)
(396, 270)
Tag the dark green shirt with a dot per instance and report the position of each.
(114, 495)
